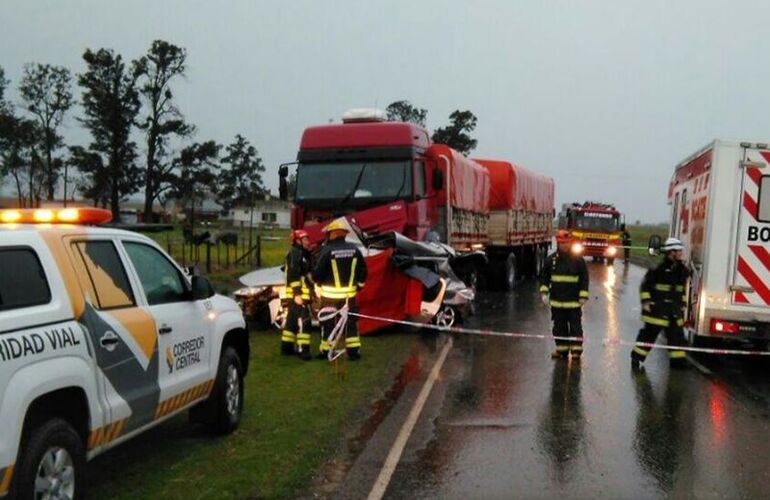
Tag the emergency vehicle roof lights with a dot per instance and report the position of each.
(362, 115)
(83, 215)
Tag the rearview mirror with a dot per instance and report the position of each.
(653, 245)
(201, 288)
(437, 180)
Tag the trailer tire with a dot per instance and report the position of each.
(510, 273)
(610, 261)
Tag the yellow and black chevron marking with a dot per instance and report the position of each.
(105, 435)
(5, 479)
(180, 400)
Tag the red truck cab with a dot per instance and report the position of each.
(594, 228)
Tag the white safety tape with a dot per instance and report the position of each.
(605, 342)
(328, 313)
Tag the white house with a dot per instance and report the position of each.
(266, 213)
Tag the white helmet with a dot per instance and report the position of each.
(671, 244)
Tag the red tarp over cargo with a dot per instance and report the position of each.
(469, 181)
(514, 187)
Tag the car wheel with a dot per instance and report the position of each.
(52, 463)
(227, 396)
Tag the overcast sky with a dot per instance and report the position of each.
(605, 96)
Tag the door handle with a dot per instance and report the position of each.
(109, 340)
(164, 329)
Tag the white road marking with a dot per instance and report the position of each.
(394, 455)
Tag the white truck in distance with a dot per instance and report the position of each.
(102, 336)
(720, 209)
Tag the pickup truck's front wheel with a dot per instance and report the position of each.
(52, 463)
(228, 393)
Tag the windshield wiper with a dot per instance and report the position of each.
(355, 186)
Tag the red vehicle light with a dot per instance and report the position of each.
(720, 327)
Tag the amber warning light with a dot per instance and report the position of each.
(55, 216)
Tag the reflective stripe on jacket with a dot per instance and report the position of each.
(565, 278)
(664, 290)
(340, 271)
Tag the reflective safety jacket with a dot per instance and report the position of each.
(664, 289)
(340, 271)
(296, 269)
(565, 278)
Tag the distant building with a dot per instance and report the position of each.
(270, 213)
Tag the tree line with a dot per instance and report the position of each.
(455, 135)
(121, 103)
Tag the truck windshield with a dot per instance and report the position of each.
(595, 221)
(353, 182)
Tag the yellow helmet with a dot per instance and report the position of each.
(336, 225)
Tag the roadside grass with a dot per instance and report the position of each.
(224, 278)
(640, 235)
(296, 416)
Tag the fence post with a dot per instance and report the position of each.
(259, 250)
(208, 257)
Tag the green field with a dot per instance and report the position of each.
(639, 238)
(225, 271)
(297, 415)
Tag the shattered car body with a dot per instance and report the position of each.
(408, 280)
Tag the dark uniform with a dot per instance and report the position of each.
(663, 289)
(297, 326)
(340, 273)
(626, 240)
(565, 277)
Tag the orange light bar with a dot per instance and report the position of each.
(83, 215)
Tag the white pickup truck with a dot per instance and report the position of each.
(102, 336)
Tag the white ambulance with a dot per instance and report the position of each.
(102, 336)
(720, 209)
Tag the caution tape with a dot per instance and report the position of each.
(519, 335)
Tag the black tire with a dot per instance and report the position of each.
(539, 261)
(610, 261)
(41, 443)
(510, 273)
(227, 417)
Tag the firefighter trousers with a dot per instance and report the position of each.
(674, 335)
(568, 323)
(295, 336)
(352, 341)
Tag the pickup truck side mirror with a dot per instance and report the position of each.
(201, 288)
(437, 180)
(653, 246)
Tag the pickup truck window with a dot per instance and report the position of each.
(22, 279)
(108, 281)
(160, 280)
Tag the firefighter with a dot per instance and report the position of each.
(626, 241)
(339, 273)
(663, 299)
(565, 278)
(295, 336)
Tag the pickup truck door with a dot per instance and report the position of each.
(183, 326)
(123, 334)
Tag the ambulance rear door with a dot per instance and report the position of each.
(751, 276)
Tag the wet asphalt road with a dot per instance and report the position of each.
(506, 421)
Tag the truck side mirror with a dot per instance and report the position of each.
(283, 185)
(437, 180)
(201, 288)
(653, 246)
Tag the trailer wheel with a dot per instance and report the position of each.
(510, 273)
(540, 257)
(610, 261)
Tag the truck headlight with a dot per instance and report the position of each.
(612, 251)
(577, 248)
